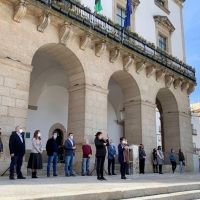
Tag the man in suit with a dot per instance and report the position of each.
(17, 151)
(111, 157)
(52, 152)
(70, 148)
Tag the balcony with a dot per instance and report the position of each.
(109, 31)
(194, 132)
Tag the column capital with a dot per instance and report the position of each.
(139, 102)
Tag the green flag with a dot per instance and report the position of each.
(98, 6)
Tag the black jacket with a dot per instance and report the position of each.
(181, 156)
(100, 148)
(1, 145)
(142, 154)
(15, 144)
(49, 146)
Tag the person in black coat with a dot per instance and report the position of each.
(100, 144)
(1, 144)
(142, 157)
(17, 151)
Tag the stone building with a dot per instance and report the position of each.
(65, 68)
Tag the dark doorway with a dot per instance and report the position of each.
(60, 137)
(61, 146)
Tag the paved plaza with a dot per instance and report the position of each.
(73, 188)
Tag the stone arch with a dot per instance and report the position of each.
(58, 126)
(169, 119)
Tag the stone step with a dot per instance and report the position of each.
(186, 195)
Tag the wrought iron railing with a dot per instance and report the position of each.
(106, 27)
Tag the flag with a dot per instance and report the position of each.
(127, 20)
(98, 6)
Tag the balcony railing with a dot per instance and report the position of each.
(194, 132)
(131, 40)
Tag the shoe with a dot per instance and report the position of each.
(160, 173)
(34, 175)
(72, 175)
(89, 174)
(48, 175)
(55, 175)
(127, 173)
(22, 177)
(11, 178)
(114, 174)
(98, 178)
(103, 179)
(109, 173)
(67, 175)
(123, 177)
(83, 174)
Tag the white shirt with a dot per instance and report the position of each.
(20, 136)
(71, 141)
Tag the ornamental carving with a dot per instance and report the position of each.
(20, 11)
(43, 21)
(114, 55)
(100, 49)
(165, 22)
(184, 86)
(159, 75)
(127, 61)
(140, 66)
(150, 71)
(177, 83)
(190, 89)
(85, 41)
(168, 81)
(66, 31)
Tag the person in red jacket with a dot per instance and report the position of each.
(87, 153)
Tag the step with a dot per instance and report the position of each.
(186, 195)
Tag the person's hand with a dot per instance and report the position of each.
(89, 155)
(105, 138)
(41, 152)
(74, 147)
(126, 147)
(12, 154)
(104, 144)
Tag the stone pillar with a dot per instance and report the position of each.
(14, 93)
(87, 115)
(140, 127)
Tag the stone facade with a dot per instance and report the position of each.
(85, 56)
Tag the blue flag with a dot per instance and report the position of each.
(127, 21)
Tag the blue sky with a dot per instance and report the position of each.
(191, 19)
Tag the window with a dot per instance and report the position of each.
(120, 16)
(162, 43)
(162, 3)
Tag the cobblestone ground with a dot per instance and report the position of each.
(60, 186)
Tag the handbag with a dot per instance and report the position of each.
(183, 163)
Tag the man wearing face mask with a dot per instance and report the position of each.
(52, 152)
(111, 157)
(70, 148)
(87, 153)
(17, 151)
(1, 144)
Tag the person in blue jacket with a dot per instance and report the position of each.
(111, 157)
(123, 156)
(173, 160)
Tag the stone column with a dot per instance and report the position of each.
(140, 127)
(87, 115)
(14, 93)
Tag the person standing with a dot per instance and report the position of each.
(142, 157)
(1, 143)
(111, 157)
(70, 148)
(181, 160)
(155, 162)
(160, 159)
(17, 152)
(173, 160)
(87, 153)
(52, 152)
(127, 164)
(100, 144)
(123, 156)
(35, 159)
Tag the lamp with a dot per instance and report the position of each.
(121, 115)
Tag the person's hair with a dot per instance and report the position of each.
(35, 135)
(172, 150)
(122, 138)
(154, 150)
(70, 134)
(141, 144)
(54, 132)
(180, 150)
(98, 133)
(159, 147)
(16, 128)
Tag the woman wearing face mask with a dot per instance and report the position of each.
(181, 160)
(155, 162)
(160, 159)
(35, 159)
(111, 157)
(123, 156)
(173, 160)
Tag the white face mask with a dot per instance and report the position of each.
(55, 136)
(71, 137)
(123, 142)
(112, 144)
(87, 142)
(39, 134)
(20, 130)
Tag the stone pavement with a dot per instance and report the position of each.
(88, 188)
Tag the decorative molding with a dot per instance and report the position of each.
(135, 3)
(177, 83)
(20, 11)
(164, 8)
(66, 31)
(127, 62)
(114, 55)
(140, 66)
(43, 21)
(164, 21)
(159, 75)
(85, 41)
(100, 49)
(184, 86)
(168, 81)
(150, 71)
(30, 107)
(191, 89)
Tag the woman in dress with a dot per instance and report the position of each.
(155, 162)
(35, 159)
(160, 159)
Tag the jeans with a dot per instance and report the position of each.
(181, 166)
(16, 160)
(100, 166)
(69, 162)
(111, 161)
(123, 169)
(85, 161)
(53, 159)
